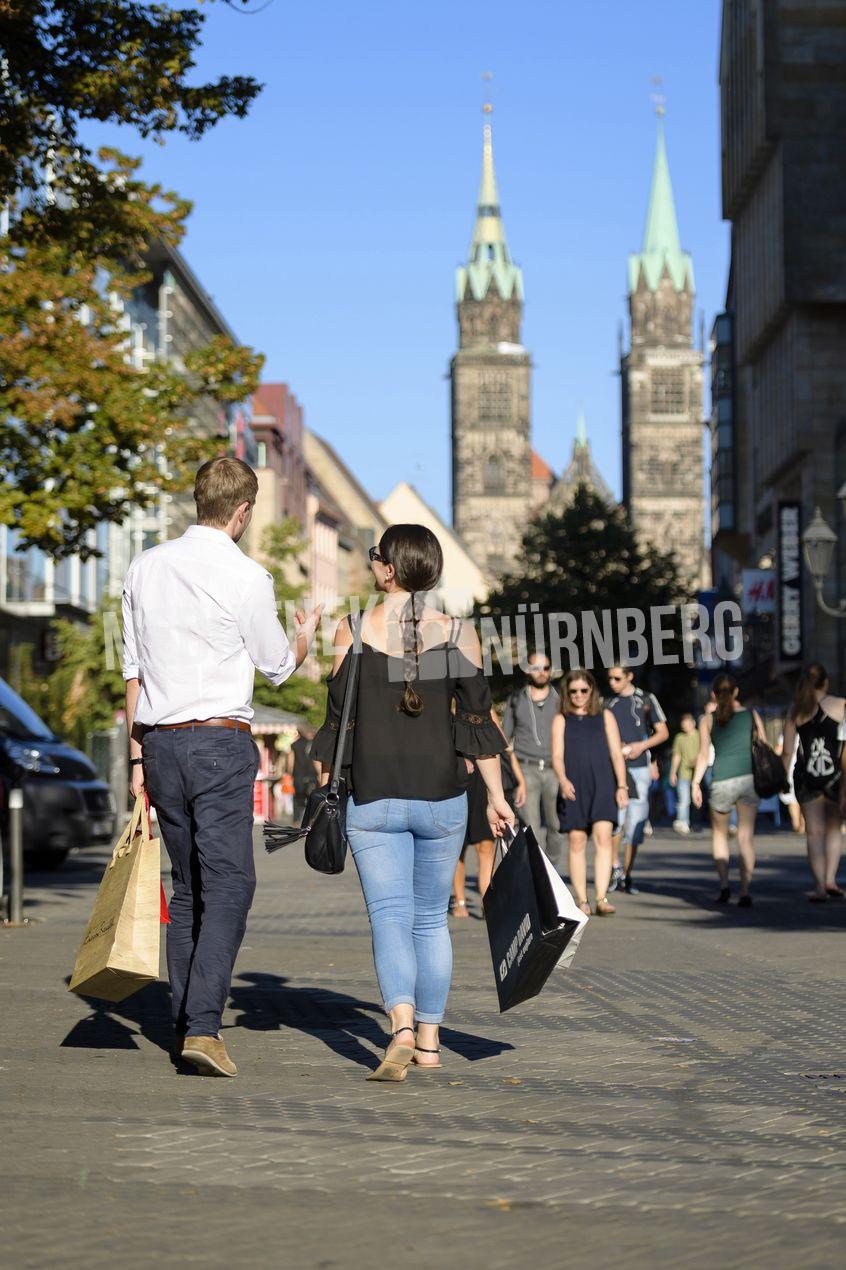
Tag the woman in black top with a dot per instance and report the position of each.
(405, 762)
(818, 719)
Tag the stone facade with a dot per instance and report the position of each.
(783, 99)
(491, 395)
(662, 377)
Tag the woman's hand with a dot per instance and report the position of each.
(568, 790)
(500, 816)
(696, 794)
(621, 797)
(520, 795)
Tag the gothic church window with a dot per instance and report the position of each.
(494, 397)
(494, 474)
(668, 392)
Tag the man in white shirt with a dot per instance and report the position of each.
(198, 618)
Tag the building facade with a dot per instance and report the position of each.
(492, 490)
(661, 377)
(783, 451)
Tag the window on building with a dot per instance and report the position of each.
(261, 454)
(494, 396)
(668, 391)
(494, 474)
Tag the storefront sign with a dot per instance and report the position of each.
(790, 581)
(759, 591)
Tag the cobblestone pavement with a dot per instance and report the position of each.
(677, 1099)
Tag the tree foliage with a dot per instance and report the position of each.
(586, 559)
(84, 435)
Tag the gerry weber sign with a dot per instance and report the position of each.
(790, 581)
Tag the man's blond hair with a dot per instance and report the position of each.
(220, 487)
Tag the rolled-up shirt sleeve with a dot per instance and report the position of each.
(131, 665)
(263, 634)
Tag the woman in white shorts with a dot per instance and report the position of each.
(729, 730)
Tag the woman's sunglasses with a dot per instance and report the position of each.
(578, 692)
(374, 554)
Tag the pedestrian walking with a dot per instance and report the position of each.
(407, 813)
(729, 729)
(816, 720)
(642, 725)
(788, 798)
(682, 767)
(302, 767)
(587, 757)
(527, 723)
(198, 618)
(478, 832)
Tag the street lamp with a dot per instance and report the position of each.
(819, 542)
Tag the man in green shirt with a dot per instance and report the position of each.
(685, 750)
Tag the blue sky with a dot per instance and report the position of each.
(328, 224)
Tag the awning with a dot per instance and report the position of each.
(269, 722)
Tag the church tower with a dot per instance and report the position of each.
(662, 425)
(491, 393)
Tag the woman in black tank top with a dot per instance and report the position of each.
(818, 720)
(423, 705)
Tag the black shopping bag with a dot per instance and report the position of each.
(533, 921)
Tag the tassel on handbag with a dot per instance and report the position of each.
(324, 825)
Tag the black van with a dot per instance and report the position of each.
(66, 805)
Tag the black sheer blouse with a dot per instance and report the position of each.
(388, 754)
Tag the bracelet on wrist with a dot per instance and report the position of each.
(134, 762)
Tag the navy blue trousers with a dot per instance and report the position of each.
(200, 781)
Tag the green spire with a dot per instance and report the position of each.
(488, 259)
(581, 428)
(661, 245)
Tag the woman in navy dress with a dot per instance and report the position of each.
(587, 756)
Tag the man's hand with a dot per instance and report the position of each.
(304, 632)
(136, 779)
(674, 780)
(520, 795)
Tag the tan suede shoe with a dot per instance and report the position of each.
(209, 1056)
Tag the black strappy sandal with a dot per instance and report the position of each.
(434, 1067)
(395, 1064)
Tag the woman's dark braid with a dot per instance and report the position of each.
(412, 703)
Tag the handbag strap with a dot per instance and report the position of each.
(346, 708)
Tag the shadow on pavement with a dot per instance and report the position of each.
(269, 1002)
(115, 1024)
(779, 889)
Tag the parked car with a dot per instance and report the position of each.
(66, 805)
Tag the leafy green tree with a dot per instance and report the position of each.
(84, 435)
(586, 560)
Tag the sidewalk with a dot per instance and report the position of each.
(677, 1099)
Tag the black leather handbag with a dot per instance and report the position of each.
(324, 825)
(768, 772)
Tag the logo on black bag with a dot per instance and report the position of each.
(517, 948)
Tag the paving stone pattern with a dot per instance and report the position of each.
(678, 1098)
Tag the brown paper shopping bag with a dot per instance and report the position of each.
(120, 947)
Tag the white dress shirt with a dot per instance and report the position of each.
(198, 617)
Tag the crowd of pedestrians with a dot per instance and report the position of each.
(429, 771)
(584, 770)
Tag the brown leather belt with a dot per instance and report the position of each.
(234, 725)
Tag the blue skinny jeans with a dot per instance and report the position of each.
(406, 850)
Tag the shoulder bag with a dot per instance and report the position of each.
(768, 772)
(324, 826)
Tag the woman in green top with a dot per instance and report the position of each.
(729, 730)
